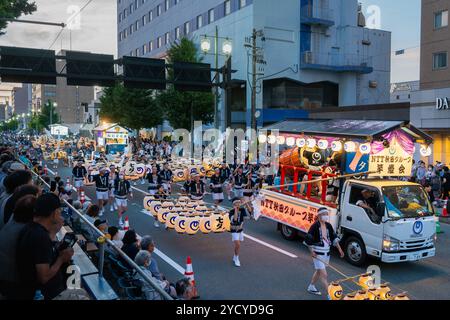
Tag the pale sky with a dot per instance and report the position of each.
(97, 32)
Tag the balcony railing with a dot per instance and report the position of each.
(317, 15)
(336, 62)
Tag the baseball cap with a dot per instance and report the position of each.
(46, 204)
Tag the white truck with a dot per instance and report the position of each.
(400, 227)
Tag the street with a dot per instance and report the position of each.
(272, 267)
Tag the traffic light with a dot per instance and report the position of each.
(89, 69)
(144, 73)
(192, 76)
(24, 65)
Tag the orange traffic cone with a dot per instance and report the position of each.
(126, 225)
(444, 210)
(189, 273)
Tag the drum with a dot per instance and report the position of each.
(291, 157)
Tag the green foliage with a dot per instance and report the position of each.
(44, 117)
(14, 9)
(180, 106)
(132, 108)
(10, 125)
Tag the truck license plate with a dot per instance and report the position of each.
(415, 257)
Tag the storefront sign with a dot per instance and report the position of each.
(293, 212)
(59, 130)
(442, 103)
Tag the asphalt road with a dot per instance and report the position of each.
(272, 267)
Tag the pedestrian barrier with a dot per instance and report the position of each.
(100, 280)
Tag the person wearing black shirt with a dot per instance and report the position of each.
(186, 189)
(40, 263)
(237, 215)
(216, 185)
(197, 188)
(225, 175)
(154, 180)
(101, 181)
(166, 178)
(446, 183)
(79, 174)
(122, 189)
(238, 181)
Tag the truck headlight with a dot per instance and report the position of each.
(433, 238)
(390, 244)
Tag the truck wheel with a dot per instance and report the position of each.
(288, 232)
(355, 251)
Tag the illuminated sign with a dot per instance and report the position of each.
(392, 161)
(442, 103)
(294, 212)
(59, 130)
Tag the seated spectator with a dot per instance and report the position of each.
(185, 289)
(40, 263)
(143, 260)
(20, 192)
(148, 244)
(23, 214)
(116, 236)
(101, 225)
(130, 244)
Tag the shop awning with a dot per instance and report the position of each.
(354, 129)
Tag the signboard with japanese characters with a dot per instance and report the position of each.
(392, 160)
(293, 212)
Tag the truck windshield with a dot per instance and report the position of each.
(406, 202)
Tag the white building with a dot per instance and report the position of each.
(401, 91)
(315, 53)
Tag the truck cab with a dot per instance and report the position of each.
(390, 220)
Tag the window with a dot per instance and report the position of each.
(143, 21)
(199, 21)
(159, 44)
(136, 4)
(136, 25)
(144, 49)
(242, 3)
(166, 5)
(167, 38)
(158, 10)
(187, 28)
(150, 46)
(150, 16)
(177, 33)
(131, 8)
(211, 16)
(120, 17)
(441, 19)
(367, 200)
(137, 52)
(439, 60)
(227, 5)
(130, 32)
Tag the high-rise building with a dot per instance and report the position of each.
(430, 106)
(314, 53)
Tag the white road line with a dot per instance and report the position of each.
(175, 265)
(271, 246)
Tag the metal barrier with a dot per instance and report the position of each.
(124, 256)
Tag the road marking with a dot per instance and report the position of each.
(271, 246)
(174, 265)
(142, 191)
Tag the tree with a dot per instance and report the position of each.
(14, 9)
(132, 108)
(11, 125)
(181, 108)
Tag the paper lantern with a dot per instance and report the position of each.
(180, 224)
(300, 142)
(205, 224)
(290, 141)
(139, 169)
(335, 291)
(425, 151)
(226, 222)
(350, 296)
(374, 294)
(147, 202)
(155, 206)
(162, 215)
(192, 225)
(365, 281)
(170, 219)
(401, 296)
(217, 223)
(262, 138)
(168, 205)
(322, 144)
(311, 143)
(350, 146)
(272, 139)
(384, 292)
(179, 175)
(361, 295)
(365, 148)
(281, 139)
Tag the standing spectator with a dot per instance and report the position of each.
(421, 173)
(23, 214)
(40, 263)
(445, 183)
(20, 192)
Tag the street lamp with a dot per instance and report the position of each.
(227, 47)
(205, 45)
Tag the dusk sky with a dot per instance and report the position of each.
(97, 31)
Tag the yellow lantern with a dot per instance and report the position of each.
(384, 292)
(226, 222)
(373, 294)
(361, 295)
(170, 219)
(180, 223)
(350, 296)
(155, 206)
(183, 199)
(162, 215)
(365, 281)
(217, 223)
(147, 202)
(205, 224)
(335, 291)
(168, 205)
(192, 224)
(401, 296)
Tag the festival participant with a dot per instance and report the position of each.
(166, 178)
(186, 188)
(112, 178)
(79, 175)
(197, 188)
(122, 189)
(320, 238)
(216, 185)
(154, 180)
(237, 215)
(225, 175)
(101, 181)
(238, 181)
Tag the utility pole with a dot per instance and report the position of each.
(253, 102)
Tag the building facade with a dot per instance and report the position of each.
(401, 91)
(430, 106)
(314, 53)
